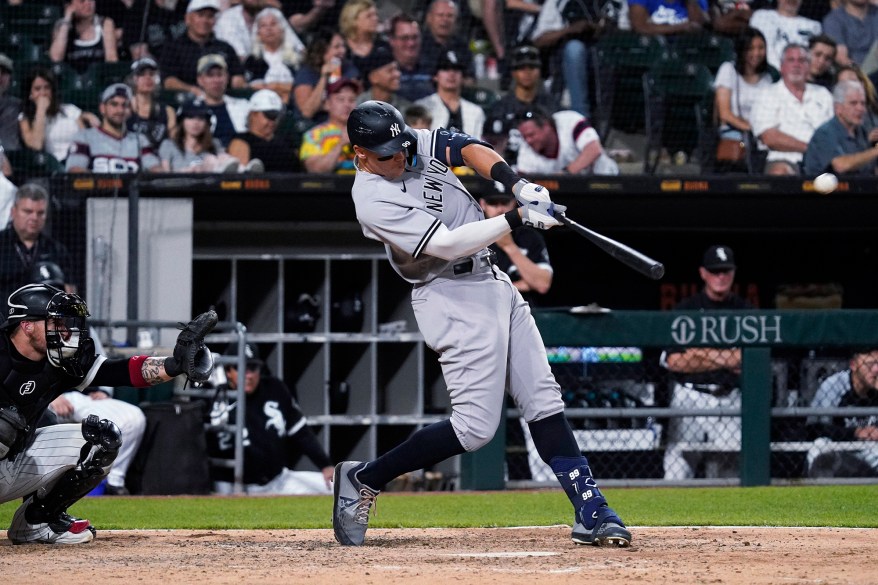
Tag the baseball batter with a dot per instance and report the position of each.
(468, 311)
(44, 351)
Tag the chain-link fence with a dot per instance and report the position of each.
(666, 413)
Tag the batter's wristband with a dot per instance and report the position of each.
(135, 371)
(503, 174)
(514, 219)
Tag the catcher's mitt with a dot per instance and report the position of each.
(191, 356)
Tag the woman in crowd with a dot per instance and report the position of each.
(45, 123)
(358, 24)
(277, 52)
(738, 83)
(324, 63)
(261, 142)
(83, 37)
(154, 120)
(193, 149)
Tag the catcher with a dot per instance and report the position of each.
(45, 351)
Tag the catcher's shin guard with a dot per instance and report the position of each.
(103, 439)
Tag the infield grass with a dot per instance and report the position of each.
(847, 506)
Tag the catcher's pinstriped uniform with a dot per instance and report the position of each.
(468, 311)
(45, 352)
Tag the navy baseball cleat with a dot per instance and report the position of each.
(63, 530)
(608, 530)
(353, 500)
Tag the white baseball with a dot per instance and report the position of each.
(826, 183)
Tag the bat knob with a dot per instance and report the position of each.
(656, 271)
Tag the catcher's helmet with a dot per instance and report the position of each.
(65, 316)
(31, 300)
(379, 127)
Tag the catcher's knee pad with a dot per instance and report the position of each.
(102, 441)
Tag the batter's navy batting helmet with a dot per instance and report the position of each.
(379, 127)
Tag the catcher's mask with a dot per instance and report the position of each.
(66, 332)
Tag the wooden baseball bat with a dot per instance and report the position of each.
(624, 254)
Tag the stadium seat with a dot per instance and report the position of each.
(678, 107)
(173, 98)
(240, 92)
(35, 19)
(706, 48)
(481, 96)
(620, 59)
(107, 73)
(27, 164)
(22, 48)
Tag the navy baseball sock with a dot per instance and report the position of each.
(428, 446)
(553, 438)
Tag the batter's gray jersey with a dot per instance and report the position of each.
(406, 212)
(476, 320)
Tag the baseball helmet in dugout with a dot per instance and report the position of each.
(379, 127)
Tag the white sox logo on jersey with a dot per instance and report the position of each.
(27, 388)
(275, 418)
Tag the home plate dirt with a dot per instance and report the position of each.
(527, 556)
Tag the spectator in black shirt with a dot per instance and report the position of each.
(527, 91)
(151, 24)
(261, 141)
(23, 245)
(180, 56)
(10, 106)
(440, 37)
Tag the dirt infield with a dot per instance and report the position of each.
(444, 557)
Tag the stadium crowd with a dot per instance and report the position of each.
(189, 61)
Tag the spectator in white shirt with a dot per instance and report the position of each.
(787, 113)
(783, 26)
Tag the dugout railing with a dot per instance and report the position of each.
(785, 356)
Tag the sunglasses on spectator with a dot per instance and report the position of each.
(271, 114)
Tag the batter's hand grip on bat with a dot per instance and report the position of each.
(625, 254)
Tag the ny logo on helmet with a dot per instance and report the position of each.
(394, 130)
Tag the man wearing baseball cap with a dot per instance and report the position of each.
(229, 114)
(110, 148)
(450, 109)
(527, 91)
(381, 79)
(706, 377)
(10, 106)
(179, 59)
